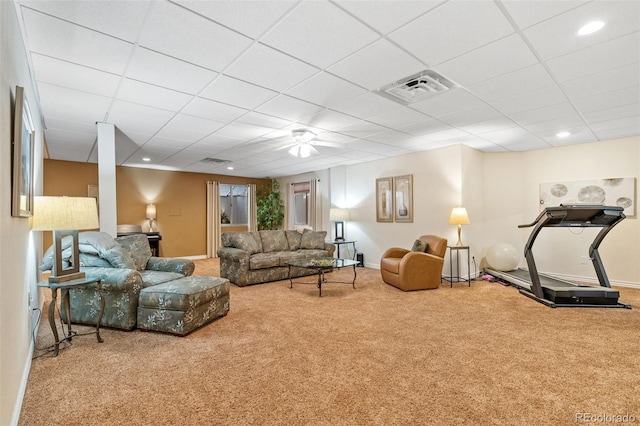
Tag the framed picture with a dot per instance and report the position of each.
(22, 166)
(403, 187)
(384, 199)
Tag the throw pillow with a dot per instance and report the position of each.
(119, 258)
(274, 241)
(138, 248)
(419, 245)
(313, 240)
(93, 260)
(294, 238)
(244, 241)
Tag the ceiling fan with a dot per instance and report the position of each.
(305, 143)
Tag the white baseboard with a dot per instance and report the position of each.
(197, 257)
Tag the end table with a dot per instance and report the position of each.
(68, 285)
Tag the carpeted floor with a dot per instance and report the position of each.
(484, 355)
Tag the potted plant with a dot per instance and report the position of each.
(269, 205)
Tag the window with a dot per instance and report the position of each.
(234, 208)
(301, 198)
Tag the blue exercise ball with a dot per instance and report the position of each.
(502, 257)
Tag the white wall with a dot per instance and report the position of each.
(19, 248)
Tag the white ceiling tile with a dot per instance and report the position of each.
(517, 82)
(488, 61)
(425, 127)
(329, 120)
(546, 113)
(366, 105)
(289, 108)
(531, 100)
(386, 16)
(494, 125)
(445, 135)
(580, 134)
(390, 137)
(555, 125)
(377, 65)
(399, 117)
(608, 100)
(155, 96)
(79, 138)
(212, 110)
(65, 74)
(608, 81)
(178, 32)
(621, 132)
(123, 21)
(620, 123)
(362, 129)
(526, 143)
(369, 146)
(72, 105)
(447, 102)
(559, 35)
(71, 126)
(269, 68)
(61, 149)
(243, 131)
(433, 37)
(480, 113)
(319, 33)
(162, 70)
(158, 141)
(624, 111)
(189, 128)
(237, 92)
(527, 13)
(326, 90)
(264, 120)
(250, 17)
(595, 59)
(138, 118)
(69, 42)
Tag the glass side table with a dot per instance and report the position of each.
(69, 285)
(338, 243)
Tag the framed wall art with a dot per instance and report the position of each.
(384, 199)
(610, 192)
(403, 187)
(22, 163)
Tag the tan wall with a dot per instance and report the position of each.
(180, 200)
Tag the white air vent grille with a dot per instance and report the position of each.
(210, 160)
(416, 87)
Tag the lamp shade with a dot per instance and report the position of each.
(459, 216)
(338, 215)
(64, 213)
(151, 211)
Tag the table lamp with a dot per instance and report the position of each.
(151, 214)
(339, 216)
(64, 216)
(459, 217)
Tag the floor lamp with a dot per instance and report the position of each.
(64, 216)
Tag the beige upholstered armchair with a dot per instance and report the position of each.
(415, 269)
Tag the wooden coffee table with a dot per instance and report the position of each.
(321, 266)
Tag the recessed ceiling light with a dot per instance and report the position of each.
(146, 159)
(591, 28)
(230, 168)
(562, 134)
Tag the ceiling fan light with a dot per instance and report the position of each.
(305, 150)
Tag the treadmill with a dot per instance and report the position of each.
(555, 292)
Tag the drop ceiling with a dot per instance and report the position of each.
(187, 80)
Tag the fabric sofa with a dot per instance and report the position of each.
(126, 266)
(261, 256)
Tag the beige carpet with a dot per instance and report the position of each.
(484, 355)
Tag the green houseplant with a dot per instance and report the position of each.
(269, 205)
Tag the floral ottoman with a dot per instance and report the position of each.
(182, 305)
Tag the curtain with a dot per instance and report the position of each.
(252, 222)
(315, 205)
(213, 218)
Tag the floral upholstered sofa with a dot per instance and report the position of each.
(152, 293)
(261, 256)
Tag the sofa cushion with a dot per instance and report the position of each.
(264, 260)
(274, 241)
(242, 240)
(313, 240)
(419, 245)
(138, 247)
(294, 239)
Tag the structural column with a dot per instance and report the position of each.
(107, 178)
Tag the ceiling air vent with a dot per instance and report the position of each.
(210, 160)
(416, 87)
